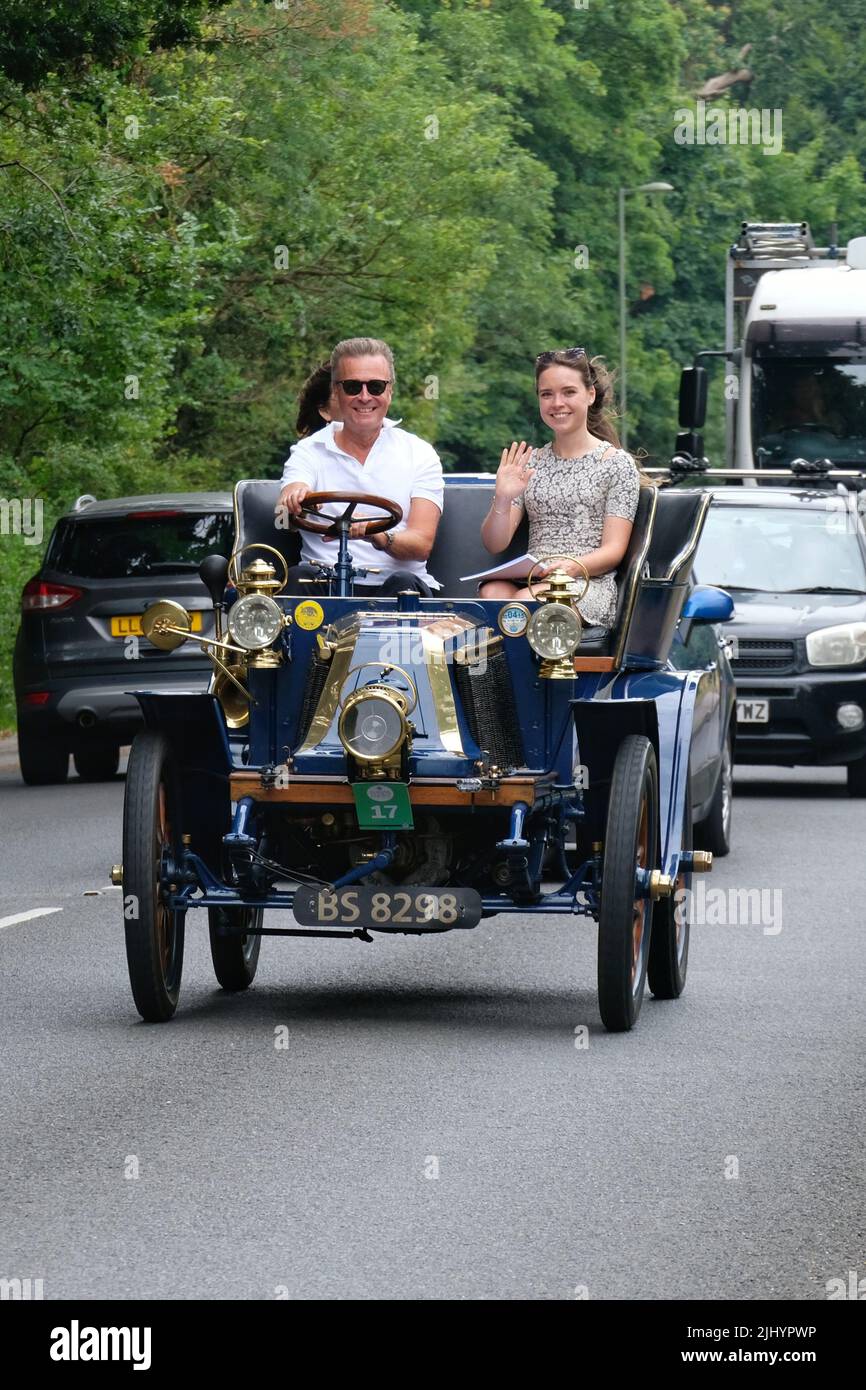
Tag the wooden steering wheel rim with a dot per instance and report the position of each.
(314, 500)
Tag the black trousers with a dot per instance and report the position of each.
(400, 579)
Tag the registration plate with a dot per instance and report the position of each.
(753, 711)
(387, 909)
(129, 625)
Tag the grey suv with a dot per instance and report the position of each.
(78, 653)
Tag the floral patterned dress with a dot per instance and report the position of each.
(567, 501)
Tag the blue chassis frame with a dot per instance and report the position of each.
(602, 708)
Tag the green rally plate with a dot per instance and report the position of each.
(383, 805)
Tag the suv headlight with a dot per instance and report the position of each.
(554, 630)
(844, 645)
(255, 621)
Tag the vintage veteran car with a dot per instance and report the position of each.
(412, 764)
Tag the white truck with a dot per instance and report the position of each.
(795, 345)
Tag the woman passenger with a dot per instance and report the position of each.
(317, 402)
(580, 491)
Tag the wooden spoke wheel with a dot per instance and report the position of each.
(625, 920)
(151, 844)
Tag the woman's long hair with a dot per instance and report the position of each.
(315, 394)
(601, 414)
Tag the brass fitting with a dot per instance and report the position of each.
(661, 885)
(702, 861)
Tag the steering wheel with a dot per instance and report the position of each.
(336, 525)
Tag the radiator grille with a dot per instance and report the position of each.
(756, 654)
(315, 684)
(488, 703)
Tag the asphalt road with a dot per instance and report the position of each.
(432, 1130)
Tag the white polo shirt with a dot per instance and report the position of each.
(400, 466)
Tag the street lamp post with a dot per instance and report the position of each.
(623, 194)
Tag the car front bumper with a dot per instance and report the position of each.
(803, 729)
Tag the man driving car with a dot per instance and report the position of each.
(357, 454)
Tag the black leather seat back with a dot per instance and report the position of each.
(634, 560)
(458, 548)
(647, 630)
(256, 522)
(679, 519)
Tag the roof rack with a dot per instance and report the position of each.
(83, 501)
(802, 470)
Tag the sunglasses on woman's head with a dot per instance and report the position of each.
(376, 387)
(560, 352)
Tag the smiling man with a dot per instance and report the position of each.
(365, 453)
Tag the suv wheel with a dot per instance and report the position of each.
(857, 777)
(42, 760)
(96, 764)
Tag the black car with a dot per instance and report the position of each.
(78, 652)
(794, 560)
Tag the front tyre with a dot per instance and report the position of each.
(152, 838)
(235, 956)
(625, 920)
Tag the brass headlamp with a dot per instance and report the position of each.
(555, 629)
(253, 630)
(374, 724)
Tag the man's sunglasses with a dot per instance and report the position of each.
(376, 387)
(560, 352)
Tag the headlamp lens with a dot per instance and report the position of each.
(255, 621)
(554, 631)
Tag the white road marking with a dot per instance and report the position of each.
(26, 916)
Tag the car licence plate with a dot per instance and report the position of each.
(753, 711)
(387, 909)
(129, 625)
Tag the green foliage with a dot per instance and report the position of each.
(66, 37)
(198, 198)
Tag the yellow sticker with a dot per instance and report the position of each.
(309, 615)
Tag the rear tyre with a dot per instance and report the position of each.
(96, 764)
(235, 957)
(672, 919)
(625, 920)
(151, 836)
(857, 777)
(714, 831)
(42, 760)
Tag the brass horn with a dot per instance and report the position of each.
(236, 706)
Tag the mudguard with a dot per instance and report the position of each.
(659, 704)
(195, 727)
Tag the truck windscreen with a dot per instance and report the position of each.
(808, 408)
